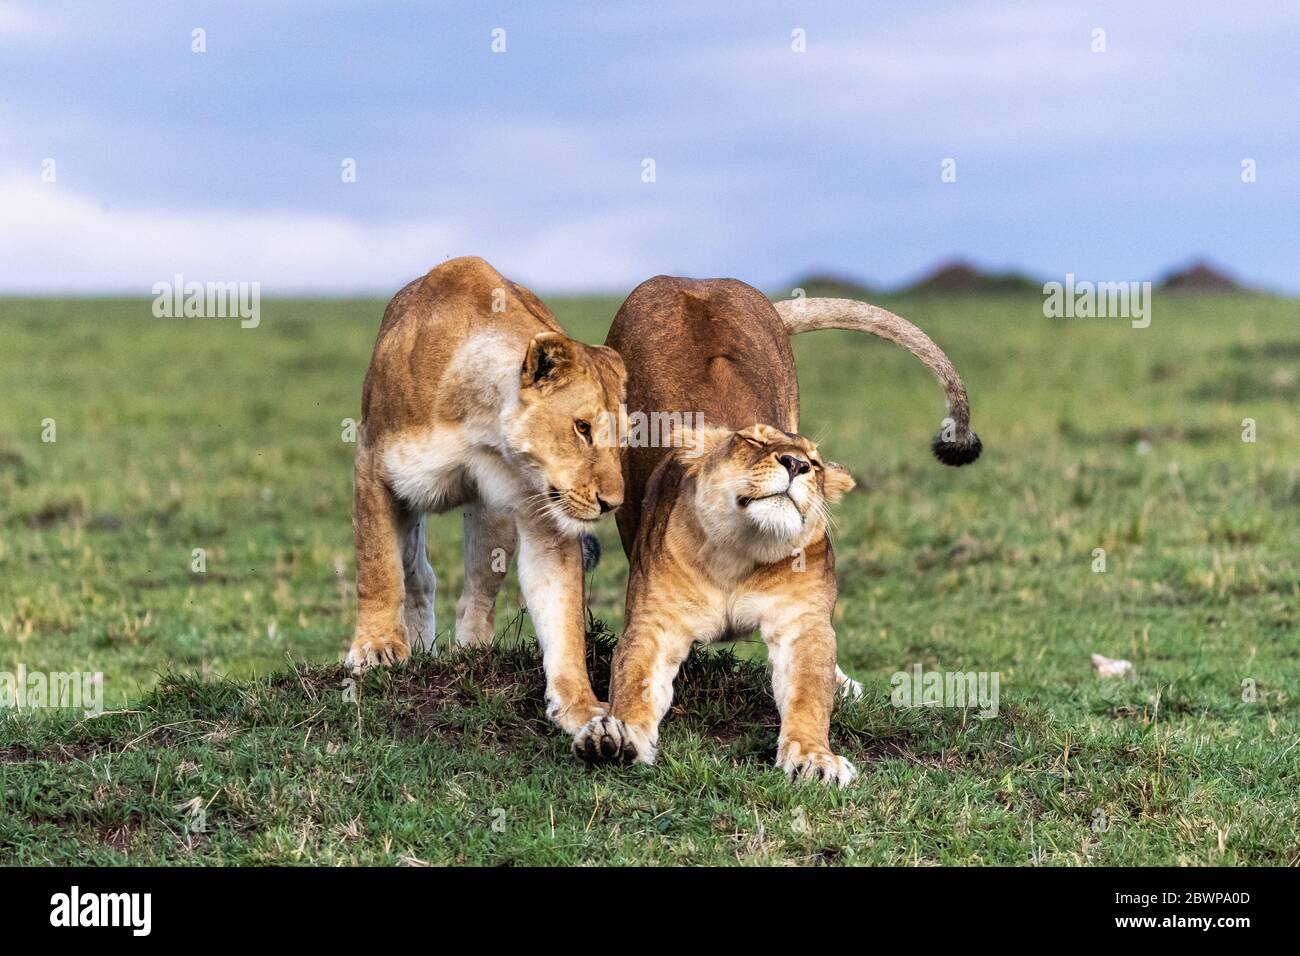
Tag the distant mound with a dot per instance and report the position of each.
(829, 285)
(962, 277)
(1200, 277)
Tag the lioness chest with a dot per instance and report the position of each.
(440, 468)
(729, 613)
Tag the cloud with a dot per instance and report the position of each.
(998, 78)
(22, 24)
(226, 165)
(63, 240)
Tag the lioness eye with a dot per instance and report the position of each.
(583, 428)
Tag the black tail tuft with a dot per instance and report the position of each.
(955, 453)
(590, 552)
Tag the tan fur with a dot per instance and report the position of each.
(474, 398)
(809, 315)
(704, 568)
(709, 557)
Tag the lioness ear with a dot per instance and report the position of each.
(697, 444)
(837, 482)
(548, 354)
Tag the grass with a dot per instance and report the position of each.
(176, 435)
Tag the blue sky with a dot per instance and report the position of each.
(225, 165)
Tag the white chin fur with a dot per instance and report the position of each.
(573, 527)
(775, 517)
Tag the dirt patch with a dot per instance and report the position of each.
(105, 522)
(1249, 385)
(1149, 434)
(55, 752)
(54, 513)
(432, 704)
(949, 759)
(737, 733)
(886, 748)
(1195, 435)
(119, 838)
(1277, 351)
(495, 695)
(965, 550)
(716, 694)
(150, 583)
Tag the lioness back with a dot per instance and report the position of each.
(427, 321)
(713, 346)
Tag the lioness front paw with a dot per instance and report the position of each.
(572, 717)
(820, 765)
(373, 650)
(608, 739)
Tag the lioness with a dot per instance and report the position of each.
(476, 398)
(729, 533)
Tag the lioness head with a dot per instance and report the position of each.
(567, 392)
(763, 489)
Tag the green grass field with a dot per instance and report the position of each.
(232, 736)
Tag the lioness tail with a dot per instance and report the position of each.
(955, 444)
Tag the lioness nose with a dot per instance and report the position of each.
(794, 465)
(606, 506)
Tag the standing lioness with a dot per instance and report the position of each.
(476, 398)
(729, 533)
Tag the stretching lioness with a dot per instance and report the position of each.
(476, 398)
(729, 534)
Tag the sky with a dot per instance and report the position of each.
(768, 163)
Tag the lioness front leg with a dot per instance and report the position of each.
(380, 524)
(803, 683)
(645, 664)
(550, 575)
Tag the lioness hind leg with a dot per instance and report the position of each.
(490, 541)
(846, 688)
(421, 586)
(379, 524)
(804, 684)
